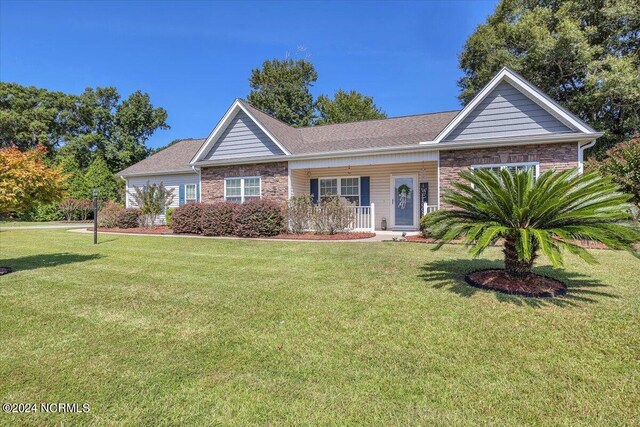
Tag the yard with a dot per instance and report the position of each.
(160, 330)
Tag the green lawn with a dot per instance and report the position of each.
(158, 331)
(31, 223)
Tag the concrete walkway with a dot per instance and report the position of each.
(35, 227)
(381, 236)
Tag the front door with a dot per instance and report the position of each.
(403, 201)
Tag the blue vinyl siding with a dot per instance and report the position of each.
(243, 138)
(506, 112)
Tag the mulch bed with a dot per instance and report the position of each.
(137, 230)
(313, 236)
(5, 270)
(534, 285)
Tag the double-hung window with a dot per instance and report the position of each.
(240, 190)
(190, 193)
(347, 187)
(512, 167)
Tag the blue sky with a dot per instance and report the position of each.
(194, 58)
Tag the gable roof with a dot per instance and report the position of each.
(525, 87)
(391, 133)
(237, 106)
(173, 159)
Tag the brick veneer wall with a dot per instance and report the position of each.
(274, 176)
(550, 156)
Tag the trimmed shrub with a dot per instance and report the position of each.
(299, 213)
(259, 218)
(217, 219)
(424, 227)
(167, 216)
(186, 218)
(128, 218)
(107, 215)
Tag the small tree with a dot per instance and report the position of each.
(623, 165)
(99, 176)
(299, 213)
(534, 215)
(68, 208)
(27, 181)
(333, 215)
(153, 200)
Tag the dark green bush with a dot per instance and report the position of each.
(424, 228)
(41, 213)
(168, 216)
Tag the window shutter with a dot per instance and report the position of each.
(181, 197)
(313, 189)
(365, 191)
(198, 191)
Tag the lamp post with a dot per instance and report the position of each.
(95, 216)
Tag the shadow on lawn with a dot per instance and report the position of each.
(33, 262)
(449, 275)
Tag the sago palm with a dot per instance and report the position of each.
(534, 215)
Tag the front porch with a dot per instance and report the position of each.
(390, 196)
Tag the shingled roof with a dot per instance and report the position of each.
(391, 132)
(174, 158)
(395, 131)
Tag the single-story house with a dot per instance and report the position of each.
(393, 170)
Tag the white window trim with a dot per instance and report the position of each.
(504, 165)
(195, 193)
(242, 178)
(339, 186)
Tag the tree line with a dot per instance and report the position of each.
(583, 53)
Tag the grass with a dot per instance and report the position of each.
(31, 223)
(171, 331)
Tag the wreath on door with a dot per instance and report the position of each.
(404, 192)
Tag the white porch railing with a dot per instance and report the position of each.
(426, 208)
(364, 218)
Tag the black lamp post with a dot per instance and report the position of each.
(95, 216)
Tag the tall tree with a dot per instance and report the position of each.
(349, 106)
(30, 116)
(96, 122)
(583, 53)
(282, 88)
(98, 176)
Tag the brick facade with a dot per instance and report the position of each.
(274, 180)
(550, 156)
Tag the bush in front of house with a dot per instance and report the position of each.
(259, 218)
(186, 218)
(299, 213)
(217, 219)
(333, 215)
(168, 215)
(128, 218)
(108, 214)
(425, 230)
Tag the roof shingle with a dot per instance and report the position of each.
(175, 158)
(391, 132)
